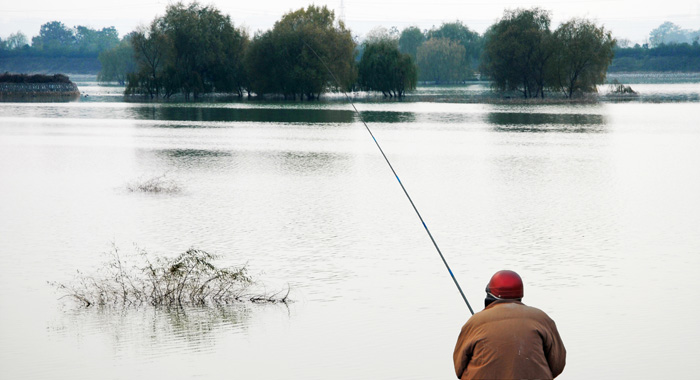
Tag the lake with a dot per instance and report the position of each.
(597, 206)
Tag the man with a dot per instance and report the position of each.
(508, 340)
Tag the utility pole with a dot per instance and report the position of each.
(341, 16)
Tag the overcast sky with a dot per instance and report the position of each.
(630, 19)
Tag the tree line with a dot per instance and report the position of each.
(57, 48)
(673, 57)
(194, 49)
(55, 38)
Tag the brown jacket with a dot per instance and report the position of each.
(509, 340)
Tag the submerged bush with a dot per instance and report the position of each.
(618, 88)
(157, 184)
(190, 279)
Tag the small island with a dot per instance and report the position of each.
(37, 87)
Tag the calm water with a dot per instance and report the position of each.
(596, 206)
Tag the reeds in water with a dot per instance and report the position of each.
(190, 279)
(158, 184)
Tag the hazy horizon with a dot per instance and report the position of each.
(626, 19)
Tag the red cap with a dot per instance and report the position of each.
(505, 284)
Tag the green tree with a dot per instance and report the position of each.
(291, 59)
(54, 37)
(441, 60)
(207, 49)
(152, 48)
(260, 63)
(91, 41)
(118, 62)
(384, 68)
(666, 58)
(410, 40)
(191, 50)
(516, 51)
(582, 53)
(381, 33)
(461, 34)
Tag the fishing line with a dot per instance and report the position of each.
(395, 175)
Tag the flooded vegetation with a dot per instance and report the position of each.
(160, 184)
(189, 279)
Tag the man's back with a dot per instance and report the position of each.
(509, 340)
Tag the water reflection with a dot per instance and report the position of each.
(187, 154)
(312, 162)
(287, 162)
(189, 158)
(263, 115)
(546, 122)
(388, 117)
(194, 328)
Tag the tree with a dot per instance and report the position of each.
(54, 37)
(516, 51)
(91, 41)
(15, 41)
(666, 58)
(441, 60)
(118, 62)
(207, 49)
(291, 59)
(191, 50)
(582, 53)
(668, 33)
(384, 68)
(381, 33)
(261, 66)
(410, 40)
(461, 34)
(152, 48)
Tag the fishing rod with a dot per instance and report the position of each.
(395, 175)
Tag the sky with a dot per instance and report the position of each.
(627, 19)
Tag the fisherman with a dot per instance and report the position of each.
(508, 340)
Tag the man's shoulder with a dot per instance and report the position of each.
(510, 308)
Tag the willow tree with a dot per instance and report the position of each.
(461, 34)
(384, 68)
(192, 49)
(582, 53)
(117, 62)
(442, 60)
(152, 51)
(291, 58)
(410, 40)
(516, 51)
